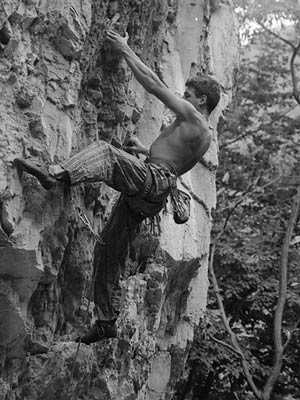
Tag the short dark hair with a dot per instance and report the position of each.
(206, 85)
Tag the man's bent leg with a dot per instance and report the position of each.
(99, 162)
(102, 162)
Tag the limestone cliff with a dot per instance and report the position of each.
(61, 88)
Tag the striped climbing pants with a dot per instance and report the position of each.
(145, 185)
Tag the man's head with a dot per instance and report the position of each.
(203, 92)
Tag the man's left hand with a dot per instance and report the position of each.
(116, 41)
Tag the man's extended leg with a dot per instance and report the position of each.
(108, 261)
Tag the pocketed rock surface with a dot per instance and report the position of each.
(61, 88)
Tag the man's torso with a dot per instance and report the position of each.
(183, 143)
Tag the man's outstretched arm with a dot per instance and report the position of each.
(148, 79)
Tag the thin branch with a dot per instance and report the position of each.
(230, 212)
(276, 35)
(224, 344)
(236, 139)
(293, 73)
(277, 325)
(295, 328)
(238, 202)
(271, 182)
(232, 335)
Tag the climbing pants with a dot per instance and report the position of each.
(145, 185)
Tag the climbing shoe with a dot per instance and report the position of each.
(37, 170)
(100, 330)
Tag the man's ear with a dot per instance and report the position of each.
(202, 100)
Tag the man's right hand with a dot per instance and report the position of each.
(135, 146)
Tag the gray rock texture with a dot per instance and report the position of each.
(61, 87)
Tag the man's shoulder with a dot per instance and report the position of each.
(198, 120)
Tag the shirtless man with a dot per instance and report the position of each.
(185, 141)
(145, 185)
(181, 144)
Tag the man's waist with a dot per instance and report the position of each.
(165, 163)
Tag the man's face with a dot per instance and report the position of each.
(190, 96)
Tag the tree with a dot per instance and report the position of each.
(257, 189)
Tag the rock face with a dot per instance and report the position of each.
(61, 88)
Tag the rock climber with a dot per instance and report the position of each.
(144, 184)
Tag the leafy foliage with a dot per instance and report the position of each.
(270, 13)
(257, 179)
